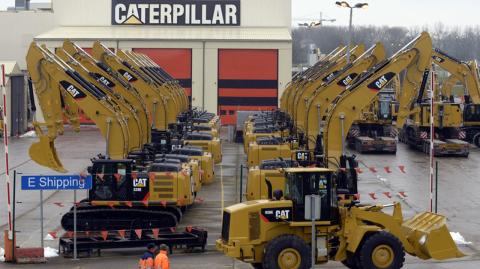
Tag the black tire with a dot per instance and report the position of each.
(352, 261)
(476, 140)
(382, 243)
(289, 245)
(257, 265)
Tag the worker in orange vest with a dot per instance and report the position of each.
(161, 261)
(147, 261)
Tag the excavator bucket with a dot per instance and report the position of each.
(429, 235)
(44, 153)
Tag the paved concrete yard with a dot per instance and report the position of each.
(459, 190)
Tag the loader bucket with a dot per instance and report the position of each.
(44, 153)
(430, 237)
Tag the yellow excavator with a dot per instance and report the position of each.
(277, 233)
(448, 116)
(272, 147)
(318, 103)
(278, 124)
(304, 74)
(173, 98)
(374, 132)
(117, 84)
(465, 73)
(320, 98)
(305, 90)
(152, 193)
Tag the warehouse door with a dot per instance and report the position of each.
(247, 80)
(177, 62)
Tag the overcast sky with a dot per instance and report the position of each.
(380, 12)
(393, 12)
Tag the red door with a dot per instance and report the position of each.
(176, 62)
(247, 80)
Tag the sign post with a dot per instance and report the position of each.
(58, 182)
(313, 213)
(42, 244)
(75, 224)
(432, 133)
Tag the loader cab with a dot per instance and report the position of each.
(301, 182)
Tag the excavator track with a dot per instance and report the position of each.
(100, 218)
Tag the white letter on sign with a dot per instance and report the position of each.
(178, 10)
(231, 14)
(118, 10)
(31, 182)
(205, 20)
(218, 15)
(133, 11)
(166, 14)
(154, 13)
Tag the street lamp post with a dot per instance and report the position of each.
(347, 5)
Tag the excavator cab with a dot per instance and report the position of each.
(301, 182)
(112, 181)
(471, 113)
(385, 101)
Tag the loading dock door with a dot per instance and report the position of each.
(176, 62)
(247, 80)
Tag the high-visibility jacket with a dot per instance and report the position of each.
(147, 261)
(161, 261)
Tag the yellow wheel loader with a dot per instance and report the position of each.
(276, 233)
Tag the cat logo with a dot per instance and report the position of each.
(140, 182)
(438, 59)
(282, 214)
(129, 77)
(330, 76)
(72, 90)
(347, 80)
(381, 82)
(276, 214)
(105, 81)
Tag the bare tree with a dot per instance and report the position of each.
(461, 43)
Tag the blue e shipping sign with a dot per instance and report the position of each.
(57, 182)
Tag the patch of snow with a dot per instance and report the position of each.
(48, 237)
(29, 134)
(50, 252)
(2, 255)
(459, 239)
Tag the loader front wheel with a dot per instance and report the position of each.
(351, 261)
(287, 252)
(381, 250)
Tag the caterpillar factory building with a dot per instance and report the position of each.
(229, 55)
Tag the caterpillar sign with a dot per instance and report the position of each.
(176, 12)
